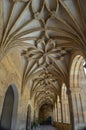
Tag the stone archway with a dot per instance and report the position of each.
(78, 90)
(9, 111)
(46, 114)
(28, 120)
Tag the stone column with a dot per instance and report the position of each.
(70, 108)
(66, 111)
(61, 110)
(81, 108)
(55, 112)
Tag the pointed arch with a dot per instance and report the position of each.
(78, 89)
(10, 106)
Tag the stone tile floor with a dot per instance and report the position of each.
(46, 127)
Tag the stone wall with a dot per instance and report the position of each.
(11, 73)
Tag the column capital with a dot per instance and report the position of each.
(75, 90)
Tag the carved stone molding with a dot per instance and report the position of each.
(50, 30)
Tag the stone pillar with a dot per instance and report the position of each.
(61, 110)
(57, 109)
(70, 108)
(66, 115)
(81, 108)
(55, 112)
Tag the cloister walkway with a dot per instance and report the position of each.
(46, 127)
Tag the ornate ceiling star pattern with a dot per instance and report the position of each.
(49, 30)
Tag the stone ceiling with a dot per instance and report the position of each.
(47, 32)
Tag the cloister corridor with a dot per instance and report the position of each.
(42, 64)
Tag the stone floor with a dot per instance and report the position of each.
(46, 127)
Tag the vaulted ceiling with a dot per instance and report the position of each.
(46, 32)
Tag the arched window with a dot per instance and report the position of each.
(9, 111)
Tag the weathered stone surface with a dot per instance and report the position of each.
(38, 53)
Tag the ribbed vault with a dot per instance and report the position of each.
(46, 33)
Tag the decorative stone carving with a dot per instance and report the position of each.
(44, 51)
(49, 30)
